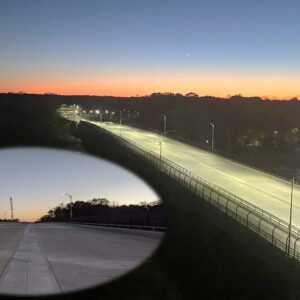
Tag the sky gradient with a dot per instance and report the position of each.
(36, 179)
(125, 48)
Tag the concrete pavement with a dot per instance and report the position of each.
(39, 259)
(268, 192)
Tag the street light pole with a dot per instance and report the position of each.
(71, 206)
(212, 136)
(160, 146)
(120, 121)
(161, 139)
(111, 113)
(98, 112)
(165, 122)
(290, 224)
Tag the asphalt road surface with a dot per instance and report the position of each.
(49, 258)
(266, 191)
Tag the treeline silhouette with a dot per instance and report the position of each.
(100, 210)
(31, 120)
(9, 220)
(262, 133)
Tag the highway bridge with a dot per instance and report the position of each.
(257, 199)
(54, 258)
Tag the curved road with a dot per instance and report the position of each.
(268, 192)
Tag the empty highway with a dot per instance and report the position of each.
(49, 258)
(268, 192)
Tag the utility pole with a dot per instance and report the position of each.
(11, 208)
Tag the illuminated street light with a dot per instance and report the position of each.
(291, 209)
(100, 115)
(110, 114)
(71, 209)
(212, 136)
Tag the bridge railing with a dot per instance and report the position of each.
(258, 220)
(125, 226)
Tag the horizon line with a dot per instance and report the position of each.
(228, 97)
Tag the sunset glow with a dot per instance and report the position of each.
(129, 48)
(36, 179)
(272, 87)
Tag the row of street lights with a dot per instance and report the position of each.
(212, 150)
(100, 113)
(112, 113)
(165, 132)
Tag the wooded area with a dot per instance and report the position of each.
(100, 210)
(262, 133)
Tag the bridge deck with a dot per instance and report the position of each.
(268, 192)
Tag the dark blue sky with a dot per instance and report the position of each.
(96, 45)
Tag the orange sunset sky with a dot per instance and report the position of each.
(273, 87)
(129, 48)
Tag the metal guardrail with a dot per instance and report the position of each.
(213, 186)
(263, 223)
(136, 227)
(258, 220)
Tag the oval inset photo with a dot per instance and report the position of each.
(70, 221)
